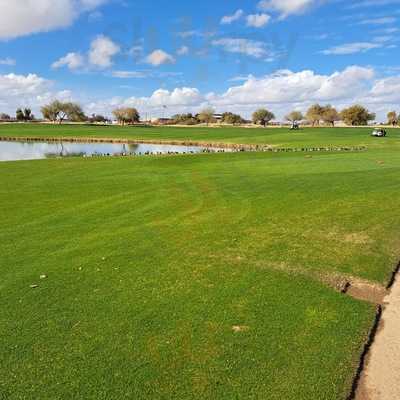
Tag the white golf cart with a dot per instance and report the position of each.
(379, 132)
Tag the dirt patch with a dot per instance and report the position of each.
(346, 284)
(366, 291)
(357, 288)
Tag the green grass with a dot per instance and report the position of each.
(152, 261)
(273, 136)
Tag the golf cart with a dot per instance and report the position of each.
(295, 126)
(379, 132)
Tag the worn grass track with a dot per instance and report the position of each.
(175, 277)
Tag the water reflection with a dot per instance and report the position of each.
(12, 151)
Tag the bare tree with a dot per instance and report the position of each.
(314, 114)
(393, 118)
(294, 117)
(127, 115)
(58, 111)
(207, 115)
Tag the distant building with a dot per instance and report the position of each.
(218, 117)
(161, 121)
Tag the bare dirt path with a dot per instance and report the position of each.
(381, 377)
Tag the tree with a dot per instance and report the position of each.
(357, 115)
(58, 111)
(132, 115)
(330, 115)
(4, 117)
(294, 117)
(184, 119)
(52, 112)
(97, 118)
(119, 114)
(19, 114)
(127, 115)
(24, 115)
(74, 112)
(314, 114)
(207, 116)
(230, 118)
(262, 117)
(28, 116)
(393, 118)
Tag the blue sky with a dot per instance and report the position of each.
(231, 55)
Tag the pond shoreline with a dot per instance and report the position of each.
(188, 143)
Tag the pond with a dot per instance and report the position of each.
(35, 150)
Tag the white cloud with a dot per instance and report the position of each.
(88, 5)
(383, 39)
(301, 87)
(24, 91)
(228, 19)
(241, 78)
(177, 97)
(378, 21)
(123, 74)
(387, 31)
(345, 84)
(101, 52)
(258, 20)
(287, 7)
(129, 74)
(21, 85)
(247, 47)
(182, 51)
(72, 60)
(280, 92)
(24, 17)
(188, 34)
(352, 48)
(159, 57)
(177, 100)
(386, 90)
(195, 33)
(372, 3)
(95, 16)
(321, 36)
(8, 61)
(136, 52)
(100, 55)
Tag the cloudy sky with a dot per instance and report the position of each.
(233, 55)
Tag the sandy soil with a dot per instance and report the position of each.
(381, 377)
(366, 291)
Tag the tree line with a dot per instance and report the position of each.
(206, 116)
(317, 114)
(58, 112)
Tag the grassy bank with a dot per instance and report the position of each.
(192, 277)
(281, 137)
